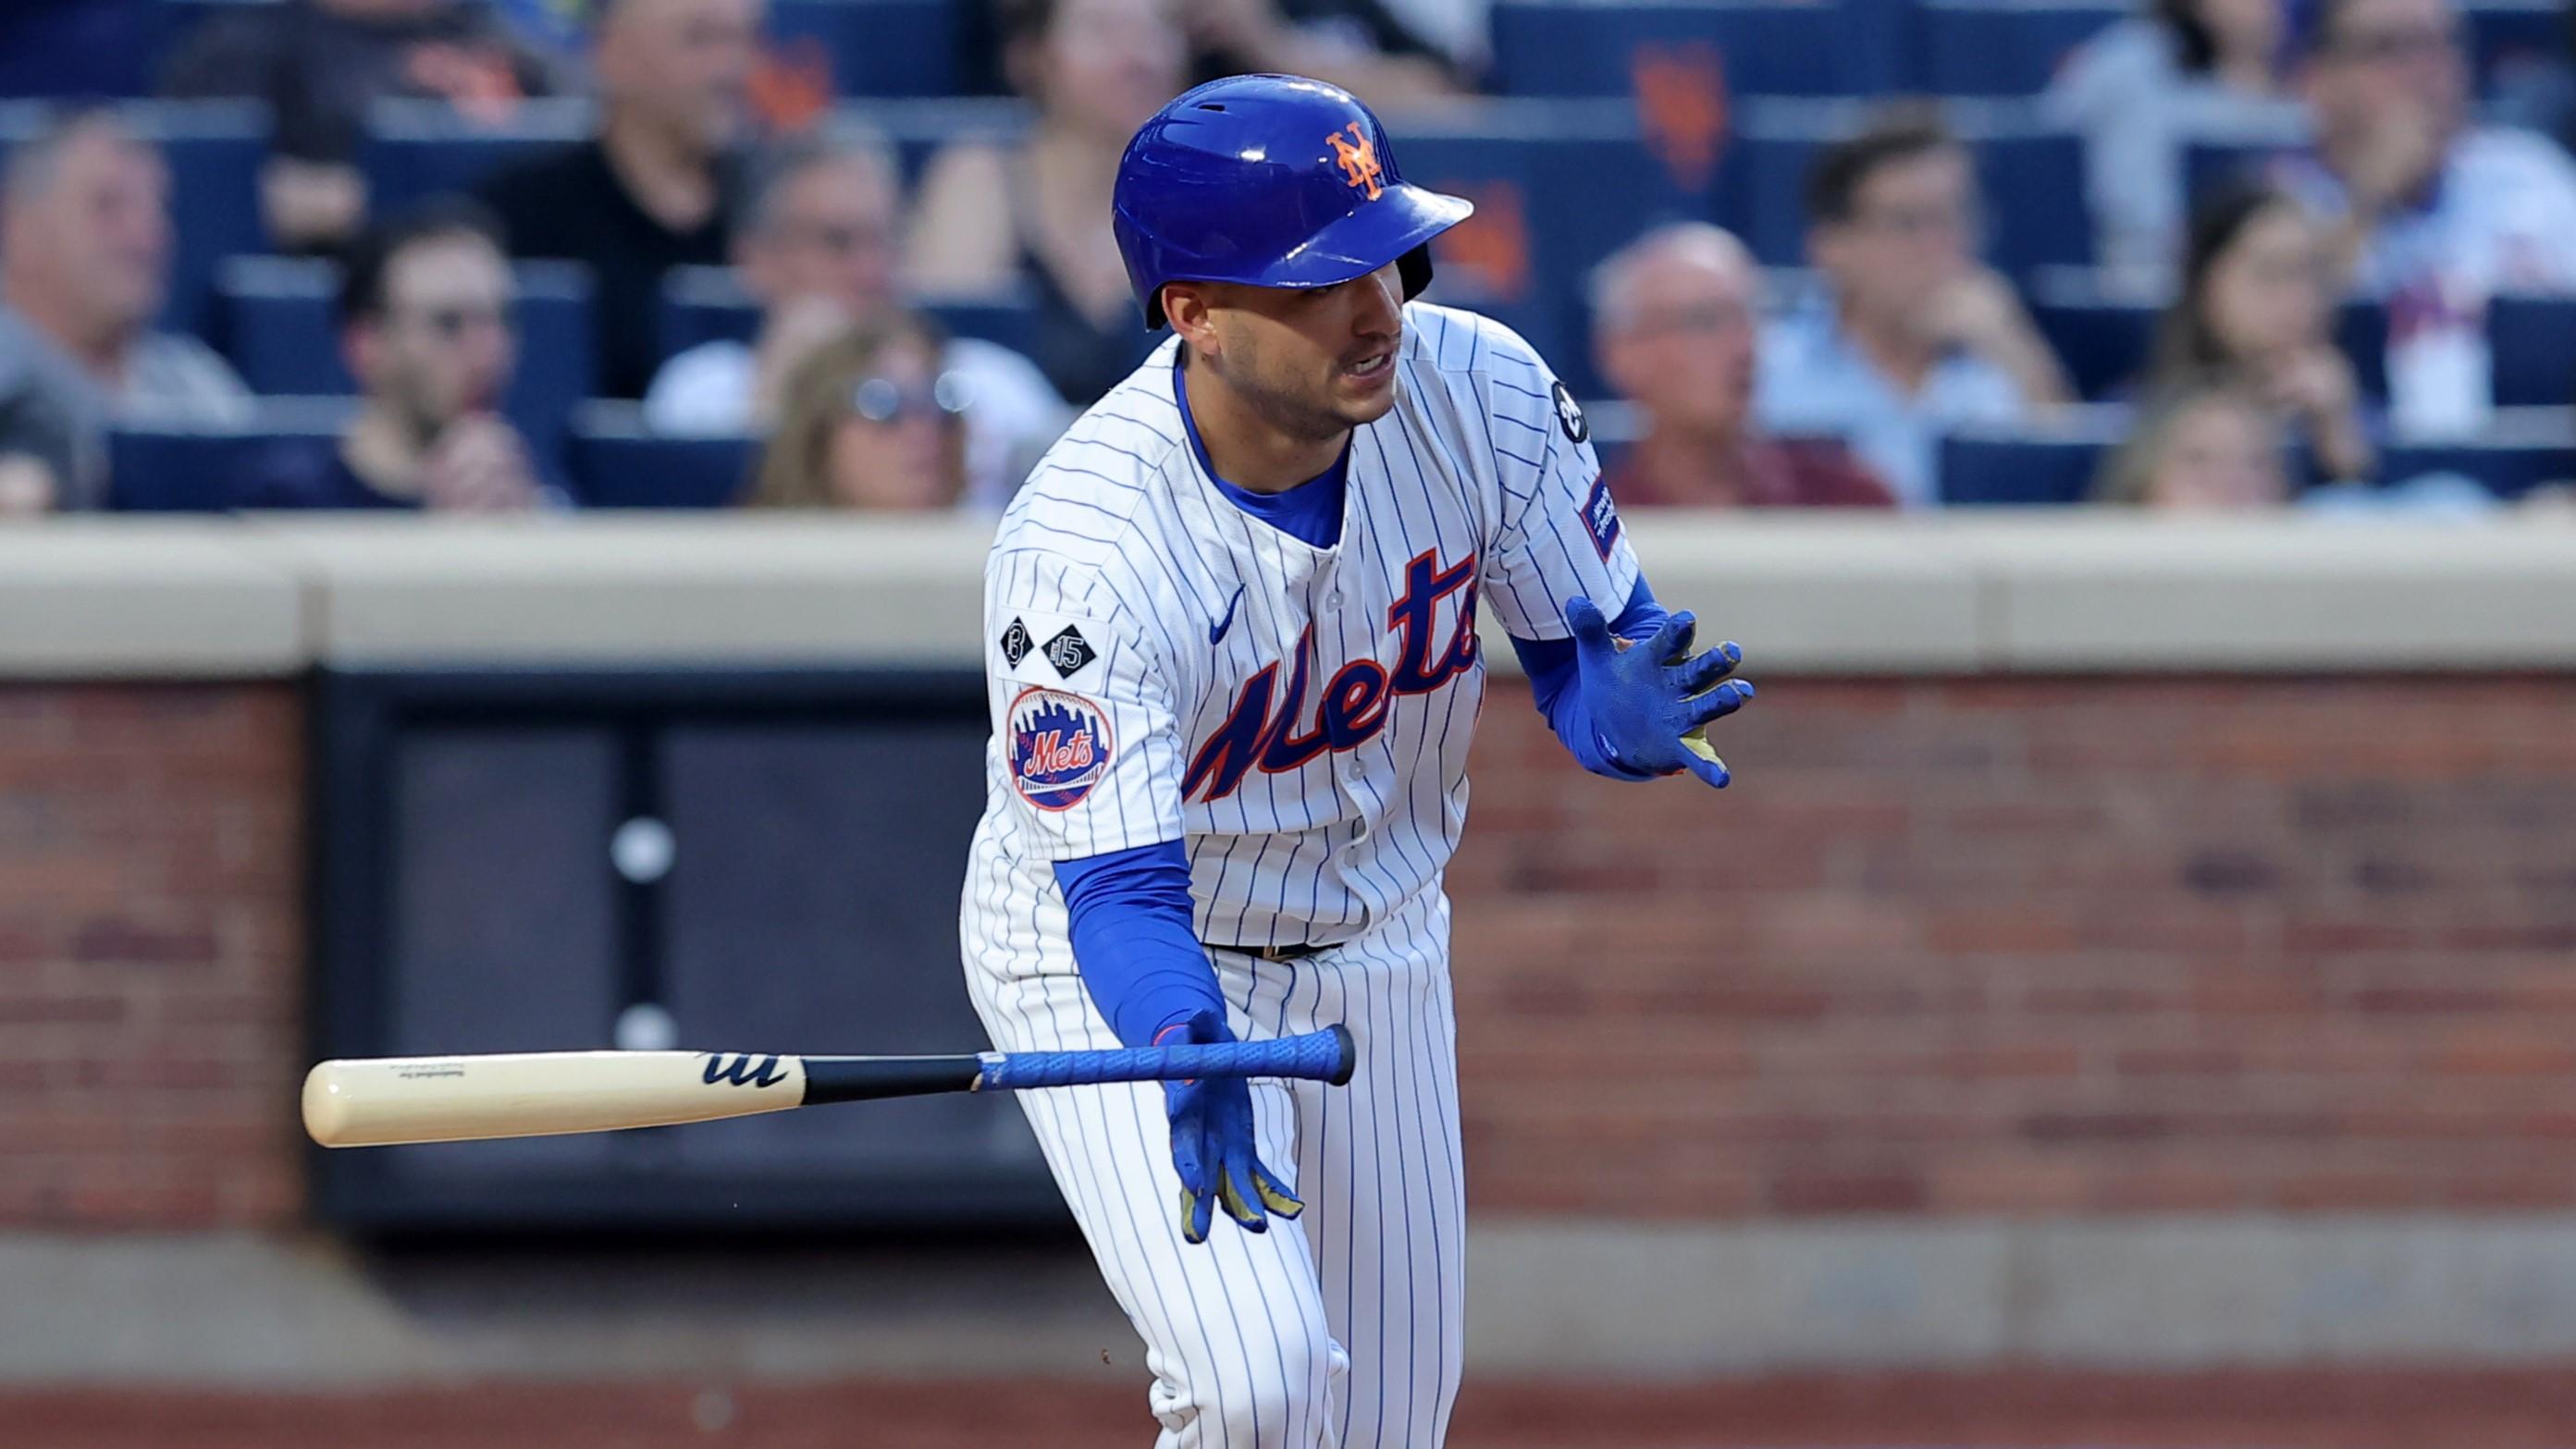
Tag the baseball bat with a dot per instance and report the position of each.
(374, 1102)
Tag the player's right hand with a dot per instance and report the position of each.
(1212, 1145)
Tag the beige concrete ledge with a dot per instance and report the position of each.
(1959, 593)
(1544, 1297)
(115, 598)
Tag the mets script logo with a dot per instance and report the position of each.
(1059, 746)
(1285, 733)
(1358, 156)
(741, 1072)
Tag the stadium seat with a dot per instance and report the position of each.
(2032, 176)
(278, 329)
(617, 463)
(2054, 465)
(2002, 47)
(919, 128)
(2102, 336)
(215, 149)
(2517, 451)
(1753, 47)
(153, 470)
(704, 304)
(65, 49)
(2506, 35)
(2535, 350)
(870, 47)
(415, 150)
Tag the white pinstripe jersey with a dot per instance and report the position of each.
(1162, 665)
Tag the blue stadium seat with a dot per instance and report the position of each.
(2103, 337)
(2030, 467)
(279, 332)
(195, 471)
(2519, 450)
(415, 150)
(2032, 176)
(617, 463)
(872, 47)
(215, 149)
(2505, 35)
(919, 128)
(68, 49)
(1587, 48)
(706, 304)
(2535, 350)
(2002, 47)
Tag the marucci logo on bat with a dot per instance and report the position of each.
(742, 1073)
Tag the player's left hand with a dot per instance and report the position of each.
(1651, 701)
(1212, 1146)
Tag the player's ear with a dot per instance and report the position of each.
(1185, 307)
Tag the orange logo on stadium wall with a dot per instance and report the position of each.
(1681, 97)
(791, 85)
(1359, 160)
(1491, 247)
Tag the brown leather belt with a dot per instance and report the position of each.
(1269, 953)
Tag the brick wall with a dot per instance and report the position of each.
(150, 894)
(1968, 946)
(2035, 945)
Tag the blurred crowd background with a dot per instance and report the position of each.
(510, 254)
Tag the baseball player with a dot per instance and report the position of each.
(1231, 643)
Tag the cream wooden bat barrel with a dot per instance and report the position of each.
(369, 1103)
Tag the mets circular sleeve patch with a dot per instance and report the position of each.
(1059, 747)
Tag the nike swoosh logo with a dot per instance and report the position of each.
(1216, 631)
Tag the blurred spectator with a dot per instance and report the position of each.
(1359, 45)
(817, 247)
(424, 314)
(320, 63)
(869, 421)
(2209, 445)
(2206, 445)
(988, 215)
(2142, 90)
(2255, 308)
(653, 191)
(84, 262)
(1672, 318)
(1914, 335)
(2429, 215)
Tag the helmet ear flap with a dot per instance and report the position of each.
(1413, 268)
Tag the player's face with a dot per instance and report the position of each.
(1314, 362)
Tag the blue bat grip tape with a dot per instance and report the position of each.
(1318, 1056)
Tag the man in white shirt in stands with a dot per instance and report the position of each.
(85, 239)
(2428, 213)
(818, 248)
(1915, 336)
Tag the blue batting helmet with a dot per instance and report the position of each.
(1272, 181)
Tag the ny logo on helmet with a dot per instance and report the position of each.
(1359, 159)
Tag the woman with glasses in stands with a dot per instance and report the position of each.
(870, 421)
(2256, 309)
(2141, 91)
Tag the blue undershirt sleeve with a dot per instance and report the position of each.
(1135, 939)
(1556, 684)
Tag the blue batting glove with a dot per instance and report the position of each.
(1651, 702)
(1212, 1144)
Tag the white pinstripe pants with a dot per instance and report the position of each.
(1345, 1335)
